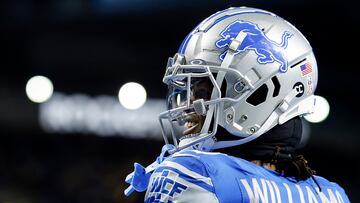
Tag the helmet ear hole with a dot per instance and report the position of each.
(259, 96)
(276, 83)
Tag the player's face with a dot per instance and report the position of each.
(188, 122)
(194, 122)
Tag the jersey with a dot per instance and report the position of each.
(195, 176)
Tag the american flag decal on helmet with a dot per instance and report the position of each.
(306, 69)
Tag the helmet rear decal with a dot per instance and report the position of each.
(299, 86)
(268, 51)
(306, 69)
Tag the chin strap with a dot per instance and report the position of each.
(139, 179)
(201, 142)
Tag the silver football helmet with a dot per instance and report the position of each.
(244, 69)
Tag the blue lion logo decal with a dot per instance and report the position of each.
(267, 50)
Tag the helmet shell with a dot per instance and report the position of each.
(274, 56)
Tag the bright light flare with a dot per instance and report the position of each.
(321, 111)
(132, 95)
(39, 89)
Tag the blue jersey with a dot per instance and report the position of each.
(207, 177)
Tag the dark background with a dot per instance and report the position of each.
(93, 47)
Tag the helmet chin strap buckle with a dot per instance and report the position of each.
(199, 107)
(284, 105)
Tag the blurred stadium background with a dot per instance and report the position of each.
(79, 145)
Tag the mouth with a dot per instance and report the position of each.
(191, 128)
(193, 125)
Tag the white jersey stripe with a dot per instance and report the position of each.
(186, 171)
(183, 155)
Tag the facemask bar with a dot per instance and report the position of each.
(178, 60)
(181, 72)
(171, 114)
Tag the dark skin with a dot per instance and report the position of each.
(200, 90)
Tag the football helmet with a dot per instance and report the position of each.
(242, 68)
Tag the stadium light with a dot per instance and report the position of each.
(321, 112)
(132, 95)
(39, 89)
